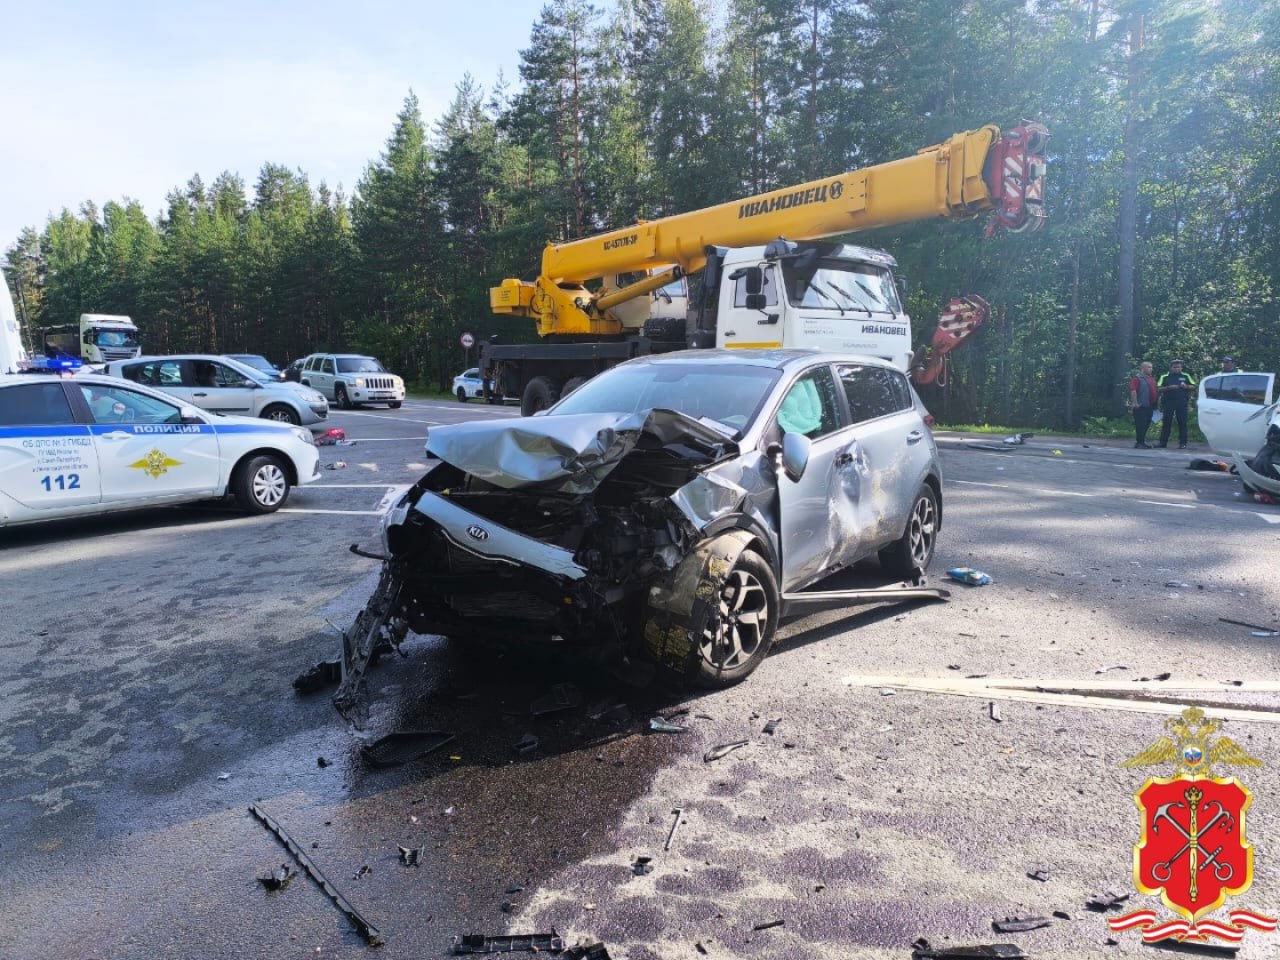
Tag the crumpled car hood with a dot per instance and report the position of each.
(570, 454)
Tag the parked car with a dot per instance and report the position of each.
(94, 444)
(293, 372)
(259, 363)
(222, 385)
(670, 509)
(1231, 409)
(468, 384)
(349, 380)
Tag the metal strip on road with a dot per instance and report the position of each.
(1162, 503)
(1095, 695)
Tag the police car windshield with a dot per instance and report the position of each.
(838, 285)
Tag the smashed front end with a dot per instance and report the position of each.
(546, 529)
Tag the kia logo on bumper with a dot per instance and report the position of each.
(477, 533)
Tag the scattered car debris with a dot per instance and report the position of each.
(1264, 633)
(1018, 439)
(923, 950)
(336, 465)
(529, 942)
(1062, 915)
(1176, 584)
(412, 856)
(1039, 873)
(224, 776)
(367, 930)
(772, 726)
(507, 907)
(591, 951)
(526, 745)
(1232, 683)
(700, 948)
(659, 725)
(363, 872)
(1205, 463)
(1251, 626)
(675, 825)
(276, 879)
(1111, 666)
(1102, 902)
(514, 888)
(888, 692)
(994, 709)
(321, 762)
(1020, 924)
(724, 749)
(609, 713)
(399, 748)
(969, 576)
(642, 865)
(326, 673)
(769, 924)
(330, 437)
(562, 696)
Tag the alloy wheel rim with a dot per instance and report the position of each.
(923, 529)
(736, 629)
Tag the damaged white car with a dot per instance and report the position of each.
(667, 512)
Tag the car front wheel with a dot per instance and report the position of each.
(462, 395)
(740, 628)
(341, 399)
(914, 549)
(260, 485)
(282, 414)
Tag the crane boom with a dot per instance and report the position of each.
(968, 174)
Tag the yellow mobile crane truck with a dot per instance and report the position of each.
(766, 282)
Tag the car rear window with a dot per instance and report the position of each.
(1248, 388)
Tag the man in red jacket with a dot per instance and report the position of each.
(1143, 396)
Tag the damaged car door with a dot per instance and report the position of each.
(819, 510)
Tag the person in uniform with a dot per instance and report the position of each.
(1175, 393)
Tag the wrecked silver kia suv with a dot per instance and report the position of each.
(665, 514)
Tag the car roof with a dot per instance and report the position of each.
(777, 359)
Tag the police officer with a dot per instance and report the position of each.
(1228, 364)
(1175, 389)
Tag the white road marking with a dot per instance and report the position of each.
(1162, 503)
(386, 416)
(1072, 694)
(976, 483)
(345, 513)
(1066, 493)
(1270, 518)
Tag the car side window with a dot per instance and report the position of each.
(137, 372)
(873, 391)
(326, 365)
(111, 404)
(228, 377)
(35, 404)
(1250, 388)
(811, 406)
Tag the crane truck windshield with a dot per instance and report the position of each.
(841, 286)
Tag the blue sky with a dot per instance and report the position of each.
(101, 101)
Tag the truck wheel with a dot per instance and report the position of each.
(462, 395)
(260, 485)
(914, 549)
(539, 393)
(571, 385)
(742, 624)
(282, 414)
(341, 399)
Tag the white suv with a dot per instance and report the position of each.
(349, 379)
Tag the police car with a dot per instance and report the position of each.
(93, 444)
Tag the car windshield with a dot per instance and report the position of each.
(840, 286)
(728, 393)
(360, 365)
(257, 376)
(254, 360)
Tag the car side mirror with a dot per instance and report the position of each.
(755, 301)
(794, 452)
(190, 415)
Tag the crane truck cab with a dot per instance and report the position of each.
(13, 355)
(815, 296)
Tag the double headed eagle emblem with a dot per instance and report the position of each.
(1194, 746)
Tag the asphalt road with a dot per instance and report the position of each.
(146, 663)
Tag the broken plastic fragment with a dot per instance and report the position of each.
(772, 725)
(1020, 924)
(324, 674)
(642, 865)
(1102, 902)
(362, 872)
(769, 925)
(276, 879)
(591, 951)
(1039, 874)
(922, 950)
(479, 943)
(411, 856)
(397, 748)
(526, 744)
(659, 725)
(562, 696)
(969, 576)
(715, 753)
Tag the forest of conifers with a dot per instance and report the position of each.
(1163, 188)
